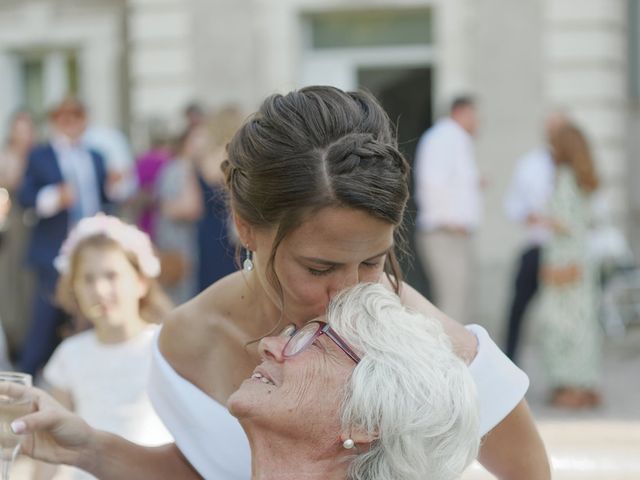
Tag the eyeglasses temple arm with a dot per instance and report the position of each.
(331, 333)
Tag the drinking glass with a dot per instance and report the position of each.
(12, 407)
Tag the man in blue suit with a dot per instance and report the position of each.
(63, 182)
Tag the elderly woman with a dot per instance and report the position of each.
(376, 392)
(371, 391)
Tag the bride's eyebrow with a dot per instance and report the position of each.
(323, 261)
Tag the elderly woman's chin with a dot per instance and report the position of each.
(249, 398)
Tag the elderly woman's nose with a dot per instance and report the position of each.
(272, 347)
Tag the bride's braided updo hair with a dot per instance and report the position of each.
(314, 148)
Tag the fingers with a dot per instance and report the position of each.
(17, 391)
(43, 420)
(13, 390)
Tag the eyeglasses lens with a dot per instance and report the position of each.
(288, 331)
(300, 340)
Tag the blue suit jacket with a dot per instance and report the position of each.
(48, 234)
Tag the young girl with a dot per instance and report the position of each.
(107, 276)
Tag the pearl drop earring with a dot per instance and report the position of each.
(247, 265)
(348, 444)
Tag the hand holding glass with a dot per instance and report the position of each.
(11, 408)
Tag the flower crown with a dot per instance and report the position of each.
(130, 238)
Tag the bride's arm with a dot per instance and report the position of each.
(513, 448)
(58, 436)
(110, 457)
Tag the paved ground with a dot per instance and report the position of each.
(601, 444)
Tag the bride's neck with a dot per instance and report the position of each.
(265, 307)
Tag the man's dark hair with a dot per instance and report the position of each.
(461, 101)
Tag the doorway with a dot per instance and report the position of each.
(406, 95)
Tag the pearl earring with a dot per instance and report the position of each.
(348, 444)
(247, 265)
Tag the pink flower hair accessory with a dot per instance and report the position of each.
(127, 236)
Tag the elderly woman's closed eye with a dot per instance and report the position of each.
(372, 391)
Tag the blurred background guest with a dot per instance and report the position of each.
(16, 283)
(194, 115)
(449, 202)
(526, 203)
(570, 333)
(216, 237)
(180, 207)
(149, 164)
(114, 147)
(63, 182)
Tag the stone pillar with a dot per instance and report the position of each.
(10, 85)
(55, 79)
(160, 61)
(454, 39)
(586, 71)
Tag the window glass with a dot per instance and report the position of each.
(375, 28)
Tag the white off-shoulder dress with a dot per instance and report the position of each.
(213, 441)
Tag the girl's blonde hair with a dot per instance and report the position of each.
(153, 305)
(105, 231)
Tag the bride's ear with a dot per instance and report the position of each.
(246, 232)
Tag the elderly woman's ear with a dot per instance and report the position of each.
(357, 437)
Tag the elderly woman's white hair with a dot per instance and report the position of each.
(409, 391)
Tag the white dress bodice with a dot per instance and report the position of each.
(213, 441)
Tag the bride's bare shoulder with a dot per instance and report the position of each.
(190, 330)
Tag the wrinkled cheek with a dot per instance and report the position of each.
(301, 393)
(313, 392)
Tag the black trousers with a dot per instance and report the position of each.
(526, 286)
(43, 335)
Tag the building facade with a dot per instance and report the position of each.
(138, 60)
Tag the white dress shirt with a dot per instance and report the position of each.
(529, 192)
(113, 145)
(447, 180)
(77, 169)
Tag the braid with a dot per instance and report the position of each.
(362, 150)
(315, 148)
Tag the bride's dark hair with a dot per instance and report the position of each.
(314, 148)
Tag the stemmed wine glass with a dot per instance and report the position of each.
(11, 408)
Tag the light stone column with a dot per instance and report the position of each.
(161, 62)
(55, 79)
(10, 85)
(454, 40)
(585, 74)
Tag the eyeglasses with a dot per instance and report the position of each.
(303, 338)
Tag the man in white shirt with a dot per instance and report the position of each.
(449, 204)
(529, 191)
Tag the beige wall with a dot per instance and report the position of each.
(507, 61)
(518, 58)
(92, 28)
